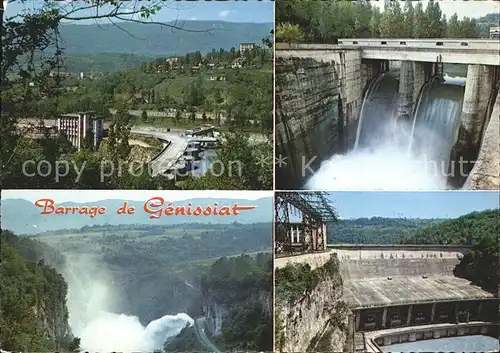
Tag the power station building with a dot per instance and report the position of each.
(81, 129)
(301, 222)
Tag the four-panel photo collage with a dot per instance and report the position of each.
(250, 176)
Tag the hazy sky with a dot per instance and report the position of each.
(233, 11)
(132, 195)
(461, 7)
(439, 204)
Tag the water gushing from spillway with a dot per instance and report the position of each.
(91, 299)
(378, 112)
(437, 120)
(398, 153)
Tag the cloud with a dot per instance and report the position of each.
(224, 13)
(193, 18)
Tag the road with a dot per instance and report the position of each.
(462, 44)
(171, 154)
(199, 329)
(176, 148)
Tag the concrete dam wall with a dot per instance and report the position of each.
(408, 267)
(324, 93)
(319, 96)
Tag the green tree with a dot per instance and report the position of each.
(392, 20)
(241, 165)
(409, 15)
(286, 32)
(420, 23)
(454, 27)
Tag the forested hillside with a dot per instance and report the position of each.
(376, 230)
(464, 230)
(33, 314)
(480, 229)
(152, 40)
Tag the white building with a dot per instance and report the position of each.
(246, 46)
(78, 126)
(495, 32)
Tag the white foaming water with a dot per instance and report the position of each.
(110, 332)
(398, 154)
(383, 168)
(91, 298)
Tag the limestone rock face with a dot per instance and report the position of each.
(486, 172)
(318, 98)
(307, 107)
(313, 317)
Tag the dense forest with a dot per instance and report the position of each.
(480, 229)
(33, 314)
(469, 229)
(324, 21)
(375, 230)
(236, 293)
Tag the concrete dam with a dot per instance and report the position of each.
(403, 293)
(384, 114)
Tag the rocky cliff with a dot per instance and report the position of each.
(310, 315)
(307, 93)
(237, 302)
(318, 98)
(34, 315)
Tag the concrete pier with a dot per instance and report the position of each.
(412, 76)
(485, 174)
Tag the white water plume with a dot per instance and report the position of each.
(387, 167)
(91, 298)
(410, 153)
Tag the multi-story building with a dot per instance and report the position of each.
(172, 60)
(495, 32)
(80, 127)
(246, 46)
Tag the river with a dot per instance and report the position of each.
(475, 343)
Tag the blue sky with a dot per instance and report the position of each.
(232, 11)
(443, 204)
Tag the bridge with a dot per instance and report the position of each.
(322, 87)
(457, 51)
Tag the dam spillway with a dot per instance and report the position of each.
(437, 119)
(375, 278)
(328, 119)
(377, 116)
(431, 131)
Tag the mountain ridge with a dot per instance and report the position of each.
(23, 217)
(145, 39)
